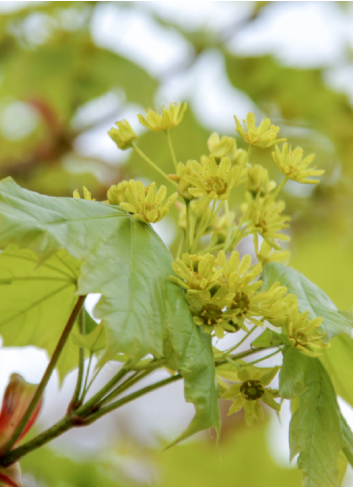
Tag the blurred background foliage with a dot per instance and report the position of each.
(62, 86)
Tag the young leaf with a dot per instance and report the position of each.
(310, 298)
(142, 311)
(92, 342)
(269, 338)
(316, 429)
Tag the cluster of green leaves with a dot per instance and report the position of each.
(109, 253)
(318, 431)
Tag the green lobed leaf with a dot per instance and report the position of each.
(318, 431)
(310, 298)
(141, 310)
(36, 302)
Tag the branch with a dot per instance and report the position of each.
(45, 379)
(73, 420)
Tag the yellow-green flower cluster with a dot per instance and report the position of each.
(223, 294)
(293, 166)
(264, 216)
(145, 203)
(250, 390)
(124, 136)
(263, 136)
(167, 119)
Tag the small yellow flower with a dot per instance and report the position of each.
(250, 391)
(268, 255)
(263, 216)
(183, 185)
(225, 147)
(143, 202)
(124, 136)
(116, 193)
(259, 181)
(169, 118)
(196, 272)
(214, 181)
(263, 136)
(303, 333)
(86, 194)
(293, 166)
(209, 311)
(248, 304)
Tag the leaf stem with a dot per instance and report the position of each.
(188, 235)
(91, 403)
(171, 149)
(241, 355)
(85, 387)
(214, 212)
(150, 162)
(281, 185)
(81, 364)
(133, 379)
(131, 397)
(45, 379)
(265, 358)
(241, 341)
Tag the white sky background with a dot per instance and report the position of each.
(301, 34)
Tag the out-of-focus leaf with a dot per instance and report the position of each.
(124, 260)
(70, 70)
(240, 451)
(310, 298)
(327, 242)
(52, 469)
(342, 464)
